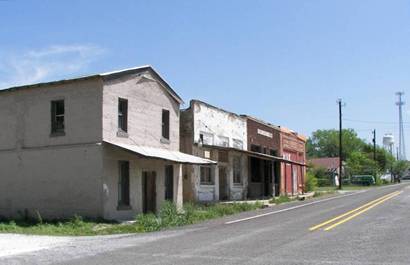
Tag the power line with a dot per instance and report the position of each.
(372, 122)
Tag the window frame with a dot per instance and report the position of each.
(165, 124)
(122, 115)
(55, 130)
(207, 182)
(237, 169)
(124, 198)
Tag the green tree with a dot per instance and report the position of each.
(325, 143)
(359, 163)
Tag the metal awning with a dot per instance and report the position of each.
(163, 154)
(256, 154)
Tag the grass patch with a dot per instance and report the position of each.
(280, 199)
(168, 217)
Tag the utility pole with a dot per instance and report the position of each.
(374, 144)
(339, 101)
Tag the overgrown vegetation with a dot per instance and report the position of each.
(168, 217)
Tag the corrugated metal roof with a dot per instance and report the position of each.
(164, 154)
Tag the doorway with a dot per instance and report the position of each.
(149, 191)
(223, 184)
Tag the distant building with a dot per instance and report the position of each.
(331, 164)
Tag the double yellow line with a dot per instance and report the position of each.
(353, 213)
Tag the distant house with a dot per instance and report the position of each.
(104, 145)
(331, 164)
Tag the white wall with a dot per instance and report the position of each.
(219, 123)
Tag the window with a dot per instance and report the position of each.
(206, 138)
(124, 184)
(123, 114)
(238, 144)
(206, 176)
(223, 141)
(256, 148)
(57, 116)
(273, 152)
(165, 124)
(237, 179)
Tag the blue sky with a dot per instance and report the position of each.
(283, 61)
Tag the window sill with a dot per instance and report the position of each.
(124, 207)
(122, 134)
(165, 141)
(57, 134)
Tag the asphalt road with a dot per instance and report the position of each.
(278, 235)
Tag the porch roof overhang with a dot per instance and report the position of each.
(162, 154)
(256, 154)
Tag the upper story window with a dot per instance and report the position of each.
(165, 124)
(123, 114)
(256, 148)
(207, 177)
(223, 141)
(206, 138)
(57, 117)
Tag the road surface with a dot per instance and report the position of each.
(370, 227)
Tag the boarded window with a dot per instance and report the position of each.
(57, 116)
(237, 178)
(124, 183)
(165, 124)
(123, 114)
(206, 175)
(223, 156)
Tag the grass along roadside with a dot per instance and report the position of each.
(167, 217)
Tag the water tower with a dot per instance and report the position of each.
(388, 142)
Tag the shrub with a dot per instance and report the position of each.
(148, 222)
(311, 182)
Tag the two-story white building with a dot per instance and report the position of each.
(104, 145)
(216, 134)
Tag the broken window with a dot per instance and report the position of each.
(124, 184)
(237, 178)
(206, 138)
(238, 144)
(223, 141)
(206, 175)
(165, 124)
(123, 114)
(57, 116)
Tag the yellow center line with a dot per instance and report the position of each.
(350, 212)
(362, 211)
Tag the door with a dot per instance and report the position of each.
(149, 191)
(169, 183)
(223, 185)
(294, 179)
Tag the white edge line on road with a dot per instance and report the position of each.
(292, 208)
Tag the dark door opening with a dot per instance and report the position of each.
(277, 178)
(169, 183)
(149, 191)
